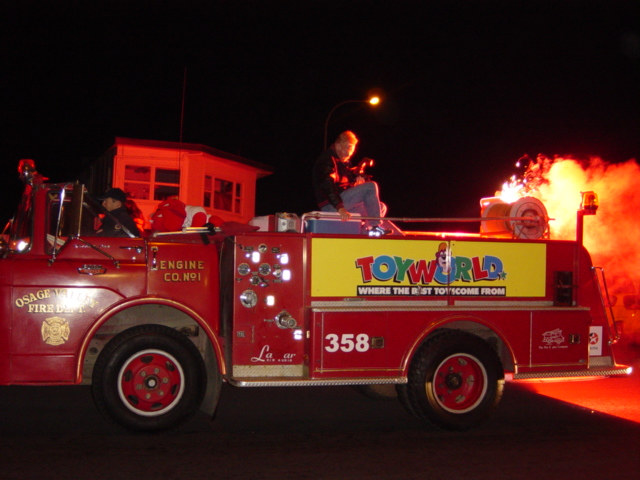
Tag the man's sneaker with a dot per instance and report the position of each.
(377, 231)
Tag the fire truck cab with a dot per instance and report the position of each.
(156, 323)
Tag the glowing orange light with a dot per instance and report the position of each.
(589, 203)
(614, 396)
(374, 100)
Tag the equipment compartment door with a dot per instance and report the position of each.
(560, 337)
(269, 328)
(353, 344)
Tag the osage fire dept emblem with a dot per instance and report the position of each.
(55, 330)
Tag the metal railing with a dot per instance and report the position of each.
(528, 221)
(601, 282)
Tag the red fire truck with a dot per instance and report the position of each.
(157, 323)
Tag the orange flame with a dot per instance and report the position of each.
(612, 236)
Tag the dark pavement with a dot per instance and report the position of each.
(319, 433)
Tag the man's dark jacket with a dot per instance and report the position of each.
(114, 221)
(326, 187)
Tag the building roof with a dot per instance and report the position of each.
(263, 169)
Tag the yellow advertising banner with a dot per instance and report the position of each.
(353, 267)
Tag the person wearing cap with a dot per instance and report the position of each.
(117, 222)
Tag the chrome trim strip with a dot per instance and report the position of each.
(509, 303)
(262, 371)
(605, 372)
(303, 382)
(362, 303)
(437, 305)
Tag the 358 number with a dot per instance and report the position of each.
(347, 342)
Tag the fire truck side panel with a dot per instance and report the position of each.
(186, 273)
(379, 344)
(269, 332)
(572, 282)
(54, 304)
(391, 294)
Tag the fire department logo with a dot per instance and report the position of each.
(553, 336)
(55, 330)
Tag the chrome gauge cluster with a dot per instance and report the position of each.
(261, 266)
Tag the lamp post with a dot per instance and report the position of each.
(371, 101)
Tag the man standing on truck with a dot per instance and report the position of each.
(339, 188)
(117, 222)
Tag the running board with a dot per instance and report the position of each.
(304, 382)
(592, 372)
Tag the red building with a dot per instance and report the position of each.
(151, 171)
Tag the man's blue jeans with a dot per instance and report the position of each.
(362, 199)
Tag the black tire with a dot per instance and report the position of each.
(455, 381)
(402, 390)
(149, 378)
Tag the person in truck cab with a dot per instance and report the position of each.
(339, 188)
(117, 222)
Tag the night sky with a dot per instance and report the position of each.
(467, 87)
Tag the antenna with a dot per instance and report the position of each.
(184, 89)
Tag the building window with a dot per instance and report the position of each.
(238, 200)
(140, 181)
(137, 181)
(222, 194)
(208, 191)
(167, 183)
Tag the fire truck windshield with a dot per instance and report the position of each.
(70, 213)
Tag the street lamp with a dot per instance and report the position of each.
(373, 101)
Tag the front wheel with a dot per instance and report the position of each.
(149, 378)
(455, 381)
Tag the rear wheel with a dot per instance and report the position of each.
(455, 381)
(149, 378)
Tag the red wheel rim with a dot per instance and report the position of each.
(459, 383)
(151, 383)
